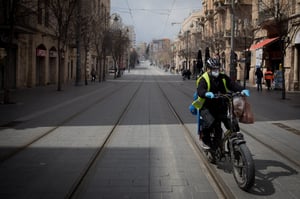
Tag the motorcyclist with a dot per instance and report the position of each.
(210, 83)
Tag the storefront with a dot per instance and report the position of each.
(40, 70)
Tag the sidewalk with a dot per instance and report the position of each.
(29, 101)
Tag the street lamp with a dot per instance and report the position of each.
(283, 42)
(128, 51)
(245, 59)
(232, 53)
(115, 27)
(187, 50)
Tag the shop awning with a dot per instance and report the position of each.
(263, 43)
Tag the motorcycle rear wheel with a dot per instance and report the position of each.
(243, 167)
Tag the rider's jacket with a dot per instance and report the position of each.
(198, 103)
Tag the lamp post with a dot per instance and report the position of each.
(245, 58)
(187, 50)
(128, 51)
(245, 63)
(115, 28)
(283, 42)
(232, 53)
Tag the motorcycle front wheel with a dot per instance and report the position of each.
(243, 167)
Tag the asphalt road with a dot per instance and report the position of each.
(148, 156)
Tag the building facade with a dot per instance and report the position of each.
(209, 30)
(261, 33)
(160, 52)
(276, 41)
(34, 44)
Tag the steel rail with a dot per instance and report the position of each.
(82, 110)
(75, 189)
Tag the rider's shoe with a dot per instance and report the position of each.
(240, 135)
(204, 146)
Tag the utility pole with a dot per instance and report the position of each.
(232, 54)
(78, 43)
(282, 46)
(187, 51)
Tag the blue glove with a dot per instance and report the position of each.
(246, 92)
(193, 109)
(209, 95)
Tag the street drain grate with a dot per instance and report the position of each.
(285, 127)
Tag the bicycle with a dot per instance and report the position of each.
(232, 145)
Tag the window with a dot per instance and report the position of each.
(40, 12)
(46, 13)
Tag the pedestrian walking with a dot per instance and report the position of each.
(259, 75)
(269, 78)
(93, 74)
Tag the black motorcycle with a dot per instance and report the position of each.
(232, 144)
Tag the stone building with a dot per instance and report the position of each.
(35, 47)
(276, 41)
(209, 29)
(160, 53)
(189, 42)
(261, 30)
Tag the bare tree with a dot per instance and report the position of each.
(100, 40)
(119, 42)
(62, 13)
(86, 37)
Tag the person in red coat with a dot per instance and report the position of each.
(269, 78)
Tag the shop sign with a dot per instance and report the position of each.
(52, 53)
(259, 57)
(41, 53)
(278, 79)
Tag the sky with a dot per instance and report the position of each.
(152, 19)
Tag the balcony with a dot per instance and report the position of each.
(209, 13)
(227, 34)
(219, 2)
(227, 2)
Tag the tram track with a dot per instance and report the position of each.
(15, 151)
(220, 186)
(76, 187)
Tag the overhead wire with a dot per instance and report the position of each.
(152, 10)
(167, 21)
(156, 11)
(130, 12)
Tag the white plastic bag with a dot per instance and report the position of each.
(238, 106)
